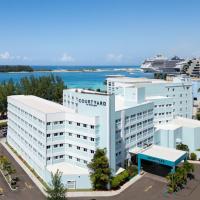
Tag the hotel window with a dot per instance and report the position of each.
(92, 151)
(85, 149)
(61, 133)
(61, 145)
(61, 122)
(55, 157)
(92, 139)
(78, 147)
(48, 135)
(70, 145)
(48, 147)
(84, 125)
(48, 123)
(85, 162)
(70, 157)
(78, 136)
(55, 134)
(48, 158)
(70, 122)
(61, 156)
(78, 124)
(70, 134)
(55, 145)
(78, 159)
(55, 123)
(85, 137)
(92, 127)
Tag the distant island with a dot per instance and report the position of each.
(27, 68)
(15, 68)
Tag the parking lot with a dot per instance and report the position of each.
(152, 187)
(27, 189)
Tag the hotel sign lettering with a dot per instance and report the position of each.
(92, 102)
(157, 160)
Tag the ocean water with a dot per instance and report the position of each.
(79, 79)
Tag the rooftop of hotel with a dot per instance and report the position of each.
(156, 97)
(135, 80)
(85, 91)
(180, 122)
(67, 169)
(163, 153)
(40, 104)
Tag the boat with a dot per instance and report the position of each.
(160, 63)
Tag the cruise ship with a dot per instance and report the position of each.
(160, 63)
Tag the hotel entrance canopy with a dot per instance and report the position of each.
(161, 155)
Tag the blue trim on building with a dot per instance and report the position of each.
(160, 161)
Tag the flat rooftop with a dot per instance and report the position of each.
(157, 97)
(84, 91)
(179, 122)
(163, 153)
(40, 104)
(136, 80)
(67, 169)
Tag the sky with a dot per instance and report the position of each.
(97, 32)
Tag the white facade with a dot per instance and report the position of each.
(179, 130)
(50, 136)
(178, 93)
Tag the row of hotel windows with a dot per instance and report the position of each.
(148, 140)
(133, 117)
(69, 157)
(31, 148)
(81, 136)
(33, 139)
(26, 114)
(23, 122)
(172, 89)
(163, 105)
(70, 145)
(167, 113)
(70, 122)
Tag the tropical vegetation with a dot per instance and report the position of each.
(100, 172)
(47, 87)
(15, 68)
(193, 156)
(179, 179)
(8, 171)
(182, 147)
(56, 189)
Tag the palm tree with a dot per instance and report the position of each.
(56, 190)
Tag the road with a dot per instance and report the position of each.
(27, 189)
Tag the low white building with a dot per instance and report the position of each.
(179, 130)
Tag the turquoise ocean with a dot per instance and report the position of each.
(86, 79)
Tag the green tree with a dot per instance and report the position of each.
(56, 190)
(198, 116)
(100, 171)
(193, 156)
(182, 147)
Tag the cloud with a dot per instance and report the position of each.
(7, 56)
(115, 57)
(67, 58)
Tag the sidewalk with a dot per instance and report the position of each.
(105, 193)
(24, 167)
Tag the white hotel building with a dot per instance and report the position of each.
(50, 136)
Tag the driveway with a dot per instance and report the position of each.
(152, 187)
